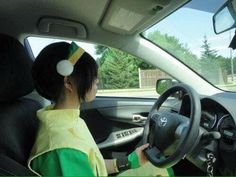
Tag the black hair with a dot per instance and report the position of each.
(49, 83)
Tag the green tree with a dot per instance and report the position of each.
(118, 69)
(100, 49)
(214, 66)
(208, 54)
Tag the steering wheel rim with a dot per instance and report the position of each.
(190, 133)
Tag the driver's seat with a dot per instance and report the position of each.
(17, 114)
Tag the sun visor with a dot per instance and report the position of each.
(62, 27)
(126, 17)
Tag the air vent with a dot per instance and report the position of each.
(227, 129)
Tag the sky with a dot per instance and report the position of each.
(190, 26)
(37, 44)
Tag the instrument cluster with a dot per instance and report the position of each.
(215, 118)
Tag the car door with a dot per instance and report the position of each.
(117, 123)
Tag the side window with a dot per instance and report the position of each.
(124, 75)
(120, 74)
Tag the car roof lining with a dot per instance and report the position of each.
(131, 16)
(91, 16)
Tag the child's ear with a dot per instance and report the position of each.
(68, 84)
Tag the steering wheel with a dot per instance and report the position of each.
(167, 132)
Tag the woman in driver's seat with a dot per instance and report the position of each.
(67, 75)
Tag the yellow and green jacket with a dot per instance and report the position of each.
(64, 146)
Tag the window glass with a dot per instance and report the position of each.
(188, 35)
(120, 74)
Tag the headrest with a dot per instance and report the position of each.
(15, 69)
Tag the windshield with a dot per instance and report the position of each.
(188, 35)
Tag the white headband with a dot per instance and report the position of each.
(65, 67)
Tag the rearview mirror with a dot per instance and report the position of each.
(225, 18)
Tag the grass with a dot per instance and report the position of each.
(137, 92)
(126, 90)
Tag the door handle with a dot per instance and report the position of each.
(139, 118)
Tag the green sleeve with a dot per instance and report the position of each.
(133, 160)
(63, 162)
(134, 163)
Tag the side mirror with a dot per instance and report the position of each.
(225, 17)
(163, 84)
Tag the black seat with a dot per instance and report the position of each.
(17, 114)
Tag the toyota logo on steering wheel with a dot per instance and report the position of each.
(162, 121)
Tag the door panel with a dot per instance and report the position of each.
(117, 123)
(118, 138)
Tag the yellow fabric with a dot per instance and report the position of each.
(65, 129)
(76, 56)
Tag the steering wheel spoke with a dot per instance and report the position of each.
(153, 154)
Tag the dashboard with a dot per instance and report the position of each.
(214, 117)
(218, 114)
